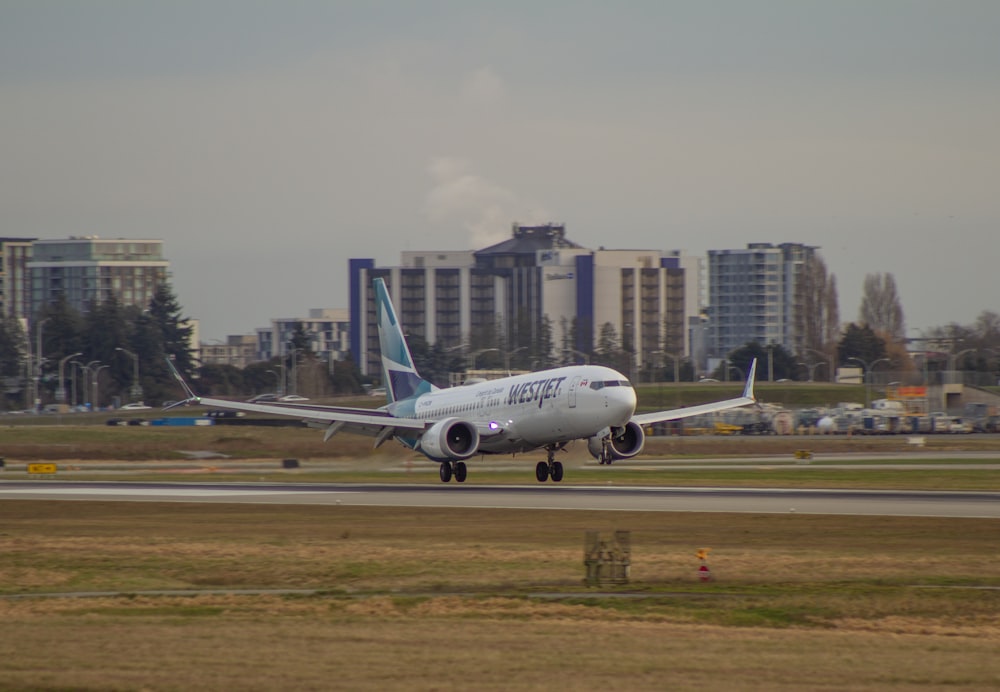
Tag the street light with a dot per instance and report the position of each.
(677, 364)
(135, 391)
(953, 361)
(826, 357)
(97, 373)
(38, 361)
(508, 354)
(867, 374)
(811, 367)
(61, 393)
(473, 357)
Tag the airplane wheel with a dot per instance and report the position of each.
(461, 471)
(556, 471)
(542, 471)
(444, 470)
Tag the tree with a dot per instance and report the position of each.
(860, 341)
(818, 316)
(174, 330)
(784, 363)
(881, 308)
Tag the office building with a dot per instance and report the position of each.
(15, 283)
(88, 270)
(754, 296)
(501, 297)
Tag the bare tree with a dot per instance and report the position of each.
(819, 315)
(881, 308)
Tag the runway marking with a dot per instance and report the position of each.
(160, 492)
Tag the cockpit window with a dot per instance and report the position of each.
(596, 386)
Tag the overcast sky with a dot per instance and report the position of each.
(268, 142)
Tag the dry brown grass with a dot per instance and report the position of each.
(490, 599)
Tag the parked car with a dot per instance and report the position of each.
(138, 406)
(293, 397)
(262, 398)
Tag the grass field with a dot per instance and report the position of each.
(174, 596)
(489, 599)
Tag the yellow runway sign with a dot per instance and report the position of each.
(42, 468)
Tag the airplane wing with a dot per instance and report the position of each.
(748, 398)
(334, 419)
(376, 423)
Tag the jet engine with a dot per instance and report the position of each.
(623, 443)
(450, 439)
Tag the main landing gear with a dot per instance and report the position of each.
(606, 456)
(447, 469)
(549, 469)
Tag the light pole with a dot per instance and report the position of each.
(294, 353)
(38, 362)
(97, 373)
(135, 391)
(867, 375)
(677, 365)
(475, 355)
(61, 393)
(825, 356)
(507, 357)
(953, 361)
(811, 367)
(74, 378)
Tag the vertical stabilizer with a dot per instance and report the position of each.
(401, 378)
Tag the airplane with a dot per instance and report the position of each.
(546, 410)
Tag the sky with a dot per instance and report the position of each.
(267, 142)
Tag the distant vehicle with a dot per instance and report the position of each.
(267, 396)
(293, 397)
(377, 391)
(138, 406)
(220, 413)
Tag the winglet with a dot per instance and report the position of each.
(748, 388)
(192, 398)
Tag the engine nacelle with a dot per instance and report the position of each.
(624, 443)
(450, 439)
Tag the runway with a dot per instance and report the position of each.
(549, 497)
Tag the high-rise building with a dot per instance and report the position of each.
(502, 298)
(754, 296)
(15, 284)
(88, 270)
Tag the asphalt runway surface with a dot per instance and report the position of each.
(549, 496)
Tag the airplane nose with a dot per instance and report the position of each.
(621, 401)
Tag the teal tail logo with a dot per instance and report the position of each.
(402, 381)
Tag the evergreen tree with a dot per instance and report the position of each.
(174, 330)
(860, 341)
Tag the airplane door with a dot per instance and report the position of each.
(572, 391)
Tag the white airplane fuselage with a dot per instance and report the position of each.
(549, 407)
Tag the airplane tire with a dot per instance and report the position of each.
(444, 470)
(556, 471)
(461, 472)
(542, 471)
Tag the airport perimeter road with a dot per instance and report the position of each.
(635, 499)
